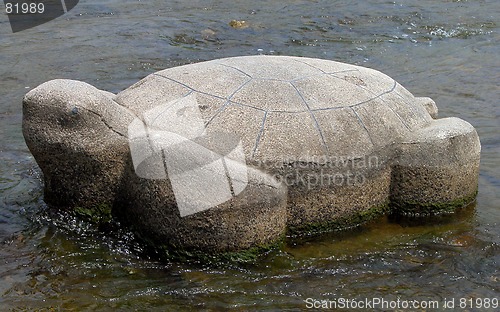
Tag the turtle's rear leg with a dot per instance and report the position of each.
(437, 168)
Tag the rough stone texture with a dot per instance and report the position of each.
(335, 194)
(77, 134)
(343, 141)
(256, 217)
(449, 176)
(429, 105)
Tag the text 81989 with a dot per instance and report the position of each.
(24, 8)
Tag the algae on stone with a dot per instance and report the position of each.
(99, 214)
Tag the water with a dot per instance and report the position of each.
(448, 50)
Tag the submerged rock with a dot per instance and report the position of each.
(238, 24)
(229, 155)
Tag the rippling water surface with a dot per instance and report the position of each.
(448, 50)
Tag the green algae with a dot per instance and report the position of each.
(99, 214)
(341, 223)
(249, 255)
(432, 208)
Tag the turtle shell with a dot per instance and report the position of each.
(283, 107)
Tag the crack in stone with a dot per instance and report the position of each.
(249, 106)
(380, 96)
(257, 141)
(227, 103)
(316, 124)
(235, 68)
(364, 126)
(188, 87)
(103, 121)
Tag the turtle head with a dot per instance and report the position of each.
(77, 135)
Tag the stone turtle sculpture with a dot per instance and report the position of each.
(230, 154)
